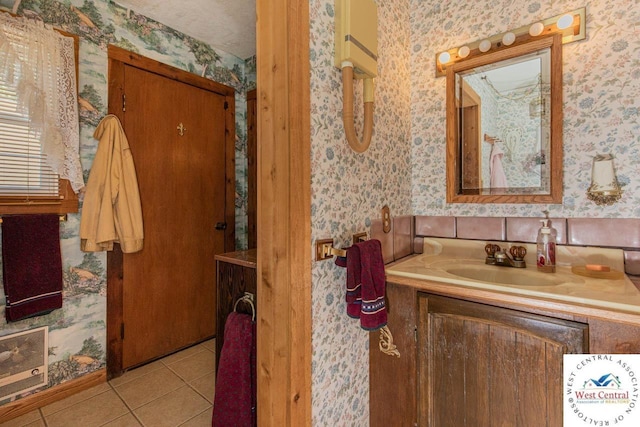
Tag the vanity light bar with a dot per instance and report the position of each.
(572, 26)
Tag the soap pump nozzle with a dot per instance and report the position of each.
(545, 226)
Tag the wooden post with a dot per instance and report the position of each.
(284, 214)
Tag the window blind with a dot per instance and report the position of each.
(24, 173)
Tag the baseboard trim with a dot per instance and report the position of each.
(20, 407)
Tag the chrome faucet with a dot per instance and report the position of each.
(498, 256)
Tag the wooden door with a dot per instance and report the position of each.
(489, 366)
(178, 133)
(471, 150)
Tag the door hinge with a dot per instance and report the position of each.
(124, 102)
(226, 105)
(415, 333)
(122, 331)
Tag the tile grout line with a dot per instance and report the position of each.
(185, 356)
(125, 404)
(79, 402)
(82, 403)
(196, 378)
(44, 420)
(195, 416)
(201, 348)
(200, 394)
(132, 410)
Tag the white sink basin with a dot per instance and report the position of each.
(505, 275)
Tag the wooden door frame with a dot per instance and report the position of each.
(252, 170)
(118, 58)
(284, 213)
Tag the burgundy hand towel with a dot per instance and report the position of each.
(31, 265)
(354, 291)
(365, 293)
(234, 401)
(373, 313)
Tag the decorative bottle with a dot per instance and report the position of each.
(546, 247)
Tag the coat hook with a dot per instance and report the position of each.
(181, 129)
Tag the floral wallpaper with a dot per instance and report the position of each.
(601, 99)
(77, 332)
(348, 191)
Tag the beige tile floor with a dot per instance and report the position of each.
(174, 391)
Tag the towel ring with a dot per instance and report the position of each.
(247, 298)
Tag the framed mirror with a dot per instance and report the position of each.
(504, 125)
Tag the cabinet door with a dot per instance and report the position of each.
(481, 365)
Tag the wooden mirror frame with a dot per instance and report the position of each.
(454, 153)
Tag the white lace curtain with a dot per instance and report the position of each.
(40, 62)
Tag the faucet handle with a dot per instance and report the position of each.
(518, 252)
(491, 249)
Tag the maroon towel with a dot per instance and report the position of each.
(234, 404)
(366, 284)
(31, 265)
(354, 274)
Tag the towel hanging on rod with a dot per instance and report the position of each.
(61, 217)
(235, 393)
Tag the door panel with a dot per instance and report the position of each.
(492, 366)
(168, 291)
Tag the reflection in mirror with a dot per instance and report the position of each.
(502, 143)
(509, 100)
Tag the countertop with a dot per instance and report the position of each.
(432, 271)
(246, 258)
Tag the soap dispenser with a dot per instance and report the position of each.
(546, 246)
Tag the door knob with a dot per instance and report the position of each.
(221, 225)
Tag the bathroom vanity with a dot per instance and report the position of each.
(483, 345)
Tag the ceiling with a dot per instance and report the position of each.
(229, 25)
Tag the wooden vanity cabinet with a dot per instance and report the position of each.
(466, 363)
(481, 365)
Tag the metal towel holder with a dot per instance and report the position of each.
(247, 298)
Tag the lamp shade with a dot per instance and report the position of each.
(604, 189)
(603, 175)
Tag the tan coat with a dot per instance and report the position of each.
(111, 210)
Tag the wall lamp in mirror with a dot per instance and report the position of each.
(572, 26)
(604, 189)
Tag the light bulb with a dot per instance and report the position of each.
(464, 51)
(536, 29)
(565, 21)
(444, 57)
(508, 38)
(485, 45)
